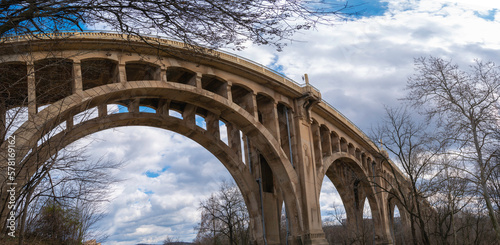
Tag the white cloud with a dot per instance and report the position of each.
(361, 65)
(145, 209)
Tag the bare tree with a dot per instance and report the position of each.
(212, 23)
(453, 196)
(466, 105)
(68, 186)
(337, 231)
(224, 216)
(47, 173)
(171, 241)
(414, 151)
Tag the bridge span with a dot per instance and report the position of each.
(282, 139)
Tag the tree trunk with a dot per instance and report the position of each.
(484, 179)
(491, 211)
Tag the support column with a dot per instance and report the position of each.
(32, 107)
(212, 121)
(269, 203)
(69, 123)
(335, 139)
(326, 144)
(268, 114)
(188, 115)
(272, 218)
(102, 110)
(272, 123)
(122, 73)
(198, 80)
(251, 156)
(77, 77)
(254, 104)
(312, 232)
(133, 107)
(234, 140)
(163, 107)
(229, 92)
(163, 75)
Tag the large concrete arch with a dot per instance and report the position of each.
(226, 156)
(292, 138)
(59, 112)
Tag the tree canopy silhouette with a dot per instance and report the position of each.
(210, 23)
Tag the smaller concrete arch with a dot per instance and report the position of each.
(373, 167)
(283, 105)
(267, 112)
(335, 139)
(357, 154)
(326, 144)
(152, 103)
(13, 84)
(263, 95)
(287, 105)
(53, 79)
(98, 71)
(343, 145)
(242, 86)
(363, 161)
(351, 149)
(214, 84)
(317, 146)
(182, 75)
(243, 96)
(141, 70)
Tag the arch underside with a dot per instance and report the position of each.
(354, 187)
(219, 149)
(60, 111)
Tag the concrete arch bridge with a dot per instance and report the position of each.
(282, 139)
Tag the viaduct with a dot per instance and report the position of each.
(282, 139)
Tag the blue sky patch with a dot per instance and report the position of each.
(151, 174)
(490, 16)
(276, 67)
(146, 109)
(122, 109)
(200, 122)
(365, 8)
(154, 174)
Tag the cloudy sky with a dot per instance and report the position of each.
(358, 65)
